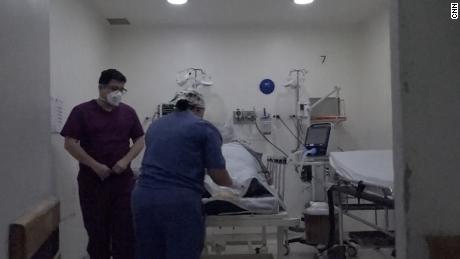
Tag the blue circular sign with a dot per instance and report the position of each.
(267, 86)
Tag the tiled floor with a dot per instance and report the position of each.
(73, 244)
(300, 251)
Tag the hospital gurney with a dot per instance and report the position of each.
(359, 176)
(274, 176)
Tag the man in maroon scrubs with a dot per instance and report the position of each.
(97, 134)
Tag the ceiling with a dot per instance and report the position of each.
(240, 12)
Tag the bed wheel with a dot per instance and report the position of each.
(261, 250)
(352, 248)
(337, 252)
(287, 248)
(352, 251)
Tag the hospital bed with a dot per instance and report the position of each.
(247, 212)
(361, 180)
(257, 241)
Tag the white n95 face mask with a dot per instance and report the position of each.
(114, 98)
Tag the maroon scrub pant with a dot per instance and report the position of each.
(106, 209)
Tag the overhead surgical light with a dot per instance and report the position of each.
(177, 2)
(303, 2)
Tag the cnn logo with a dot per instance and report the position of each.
(454, 11)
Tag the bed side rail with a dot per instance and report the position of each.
(276, 174)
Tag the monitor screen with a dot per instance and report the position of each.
(317, 136)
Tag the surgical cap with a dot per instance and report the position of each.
(193, 97)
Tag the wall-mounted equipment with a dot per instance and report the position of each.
(265, 122)
(165, 109)
(244, 117)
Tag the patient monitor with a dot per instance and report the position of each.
(317, 140)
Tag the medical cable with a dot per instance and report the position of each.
(292, 133)
(263, 136)
(302, 131)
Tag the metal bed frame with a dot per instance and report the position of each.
(275, 175)
(338, 194)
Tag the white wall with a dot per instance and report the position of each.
(426, 108)
(24, 110)
(373, 51)
(373, 121)
(239, 58)
(79, 52)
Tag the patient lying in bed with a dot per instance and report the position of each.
(253, 194)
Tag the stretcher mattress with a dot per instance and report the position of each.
(254, 196)
(373, 167)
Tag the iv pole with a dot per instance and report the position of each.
(296, 86)
(307, 107)
(192, 73)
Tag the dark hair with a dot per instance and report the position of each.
(111, 74)
(182, 105)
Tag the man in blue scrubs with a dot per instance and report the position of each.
(180, 148)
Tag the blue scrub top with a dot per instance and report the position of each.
(179, 147)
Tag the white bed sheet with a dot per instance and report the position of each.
(373, 167)
(243, 168)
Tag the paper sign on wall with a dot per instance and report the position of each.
(57, 119)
